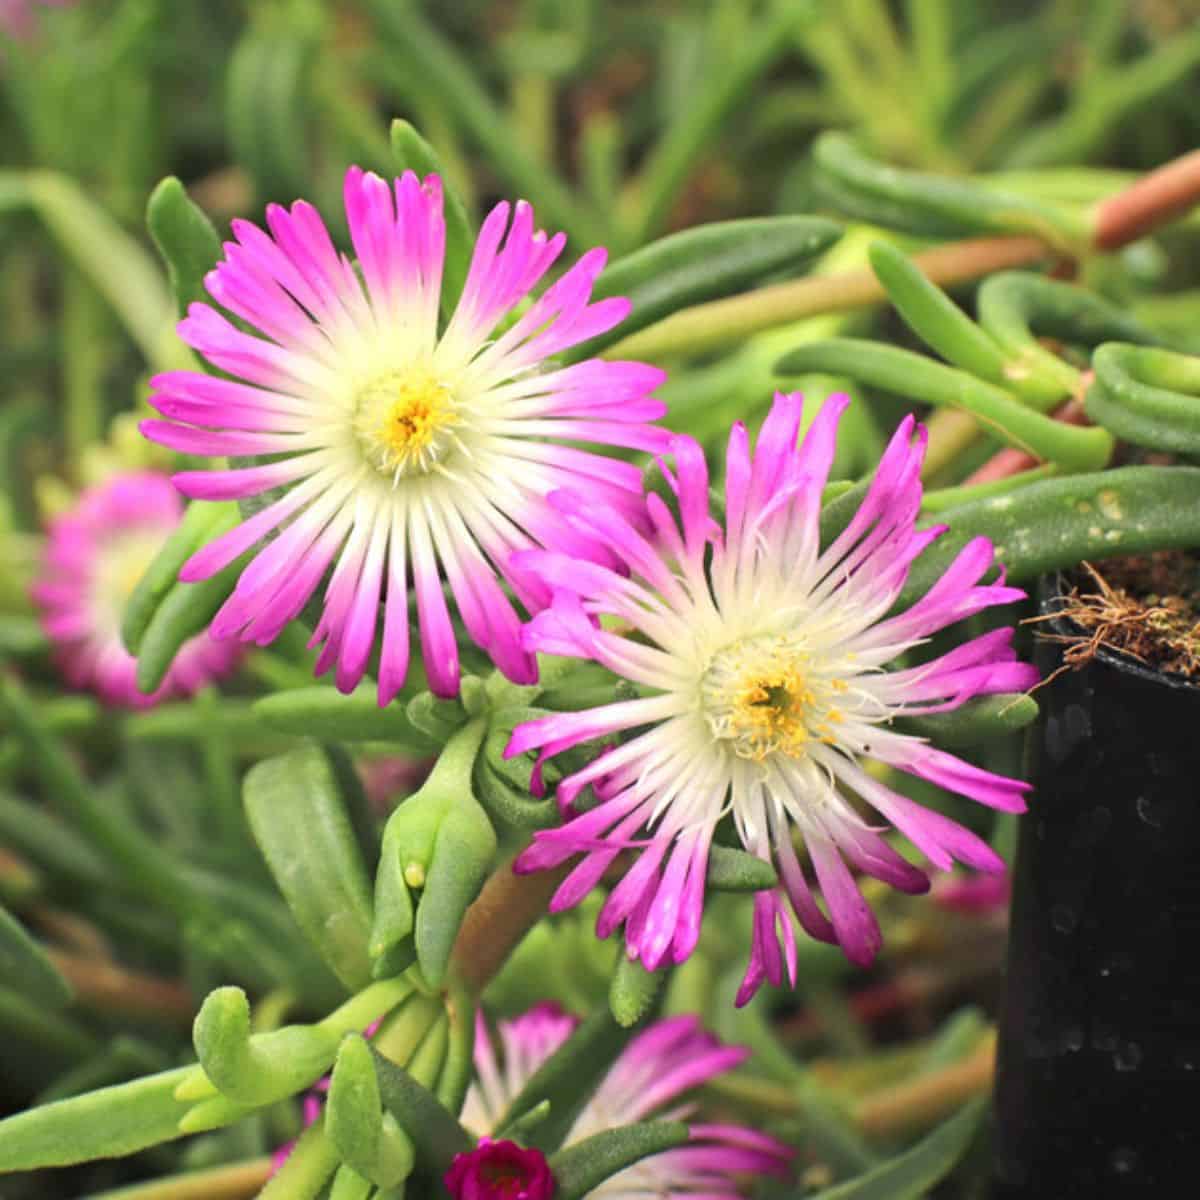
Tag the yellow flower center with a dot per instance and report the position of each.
(404, 421)
(119, 568)
(762, 697)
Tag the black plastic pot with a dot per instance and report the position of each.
(1098, 1072)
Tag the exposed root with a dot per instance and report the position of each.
(1147, 609)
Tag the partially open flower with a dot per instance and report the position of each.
(500, 1171)
(95, 554)
(760, 659)
(648, 1081)
(389, 445)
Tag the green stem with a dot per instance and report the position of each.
(240, 1181)
(943, 498)
(719, 323)
(308, 1168)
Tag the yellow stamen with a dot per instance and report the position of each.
(758, 696)
(402, 420)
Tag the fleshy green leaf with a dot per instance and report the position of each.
(413, 153)
(327, 714)
(366, 1138)
(185, 238)
(25, 966)
(929, 312)
(931, 205)
(201, 523)
(733, 870)
(587, 1164)
(911, 1175)
(185, 611)
(1147, 396)
(1057, 523)
(436, 1135)
(904, 373)
(633, 990)
(568, 1077)
(300, 822)
(704, 263)
(102, 1124)
(260, 1069)
(976, 721)
(1018, 307)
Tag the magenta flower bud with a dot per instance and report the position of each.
(499, 1171)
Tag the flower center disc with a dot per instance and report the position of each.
(404, 421)
(119, 567)
(759, 697)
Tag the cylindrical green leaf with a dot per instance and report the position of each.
(733, 870)
(633, 990)
(1018, 307)
(911, 1175)
(353, 1111)
(583, 1166)
(264, 1068)
(201, 523)
(185, 238)
(265, 103)
(25, 966)
(934, 206)
(103, 1124)
(1057, 523)
(904, 373)
(704, 263)
(300, 822)
(325, 713)
(185, 611)
(436, 1135)
(464, 851)
(413, 153)
(1146, 396)
(929, 312)
(976, 721)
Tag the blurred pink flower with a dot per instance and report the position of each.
(95, 553)
(647, 1082)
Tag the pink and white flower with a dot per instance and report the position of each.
(648, 1081)
(385, 443)
(759, 658)
(17, 16)
(95, 554)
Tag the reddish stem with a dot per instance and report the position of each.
(1008, 462)
(1155, 199)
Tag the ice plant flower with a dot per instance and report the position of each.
(95, 553)
(648, 1081)
(499, 1171)
(391, 445)
(17, 16)
(760, 661)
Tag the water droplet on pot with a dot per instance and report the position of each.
(1078, 722)
(1063, 918)
(1056, 746)
(1123, 1160)
(1128, 1057)
(1153, 812)
(1072, 1038)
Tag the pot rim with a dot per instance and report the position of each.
(1050, 590)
